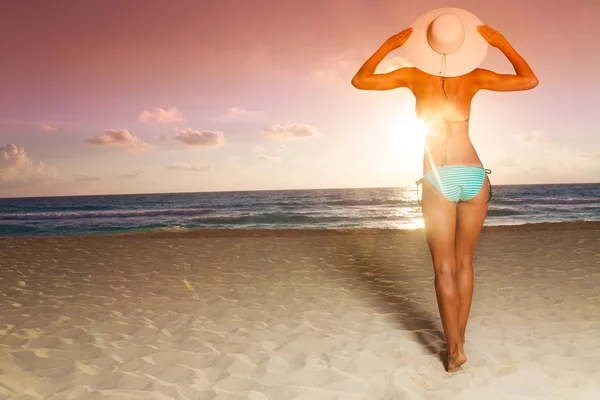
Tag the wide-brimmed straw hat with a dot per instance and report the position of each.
(445, 42)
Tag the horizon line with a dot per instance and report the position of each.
(280, 190)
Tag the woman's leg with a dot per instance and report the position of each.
(469, 221)
(439, 215)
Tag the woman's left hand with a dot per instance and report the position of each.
(492, 36)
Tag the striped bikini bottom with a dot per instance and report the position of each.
(458, 182)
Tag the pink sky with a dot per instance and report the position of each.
(160, 96)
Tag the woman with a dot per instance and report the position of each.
(446, 53)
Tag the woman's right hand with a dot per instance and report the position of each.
(397, 40)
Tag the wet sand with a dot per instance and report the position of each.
(239, 314)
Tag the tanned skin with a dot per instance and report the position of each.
(452, 229)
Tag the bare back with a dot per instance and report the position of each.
(444, 105)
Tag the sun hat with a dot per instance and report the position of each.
(445, 42)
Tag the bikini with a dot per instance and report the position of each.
(456, 182)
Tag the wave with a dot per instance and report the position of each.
(17, 230)
(503, 212)
(549, 201)
(266, 219)
(104, 214)
(370, 202)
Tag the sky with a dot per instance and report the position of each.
(113, 96)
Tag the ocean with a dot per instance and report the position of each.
(387, 208)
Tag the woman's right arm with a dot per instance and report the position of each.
(523, 79)
(367, 79)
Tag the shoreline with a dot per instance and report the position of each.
(296, 232)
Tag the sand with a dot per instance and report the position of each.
(295, 315)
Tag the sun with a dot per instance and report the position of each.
(402, 147)
(414, 131)
(408, 134)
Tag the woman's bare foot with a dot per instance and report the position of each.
(455, 361)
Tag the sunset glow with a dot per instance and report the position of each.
(195, 96)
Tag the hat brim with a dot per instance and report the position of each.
(419, 53)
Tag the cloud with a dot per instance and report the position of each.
(86, 178)
(17, 169)
(233, 159)
(161, 138)
(235, 113)
(506, 162)
(281, 147)
(392, 64)
(161, 116)
(48, 128)
(261, 154)
(259, 150)
(547, 164)
(533, 137)
(120, 138)
(190, 167)
(343, 66)
(268, 158)
(138, 173)
(201, 138)
(290, 131)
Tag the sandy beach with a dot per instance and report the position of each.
(315, 315)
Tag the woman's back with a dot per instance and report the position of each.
(444, 106)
